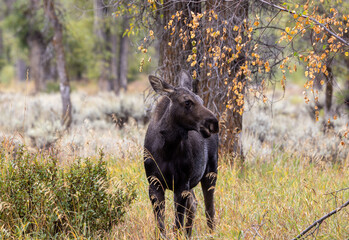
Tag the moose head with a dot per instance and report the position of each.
(186, 108)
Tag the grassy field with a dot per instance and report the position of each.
(290, 177)
(272, 198)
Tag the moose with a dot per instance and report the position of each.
(181, 150)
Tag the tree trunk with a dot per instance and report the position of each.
(114, 59)
(346, 85)
(37, 46)
(21, 70)
(328, 92)
(2, 16)
(232, 134)
(172, 55)
(36, 51)
(61, 64)
(103, 50)
(123, 56)
(220, 80)
(1, 44)
(328, 99)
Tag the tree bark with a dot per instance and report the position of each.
(103, 49)
(114, 59)
(36, 51)
(1, 43)
(172, 55)
(21, 70)
(1, 39)
(328, 92)
(346, 92)
(123, 57)
(37, 46)
(60, 60)
(232, 133)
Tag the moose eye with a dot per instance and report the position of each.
(188, 103)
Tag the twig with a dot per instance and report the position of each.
(319, 221)
(310, 18)
(343, 189)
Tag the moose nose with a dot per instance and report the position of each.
(212, 125)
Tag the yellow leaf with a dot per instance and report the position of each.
(266, 65)
(346, 54)
(265, 99)
(287, 29)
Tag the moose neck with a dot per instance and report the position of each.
(172, 132)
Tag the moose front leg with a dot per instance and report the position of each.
(180, 200)
(157, 198)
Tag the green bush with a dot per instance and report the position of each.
(41, 200)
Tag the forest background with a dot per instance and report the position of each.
(75, 103)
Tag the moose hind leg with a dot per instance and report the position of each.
(157, 198)
(208, 184)
(190, 212)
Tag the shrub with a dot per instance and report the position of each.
(40, 199)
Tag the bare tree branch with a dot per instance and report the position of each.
(340, 190)
(319, 221)
(310, 18)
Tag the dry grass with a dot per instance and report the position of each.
(272, 198)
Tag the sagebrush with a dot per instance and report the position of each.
(40, 199)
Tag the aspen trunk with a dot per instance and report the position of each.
(37, 49)
(21, 70)
(114, 60)
(61, 64)
(103, 49)
(123, 57)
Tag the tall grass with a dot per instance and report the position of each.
(270, 198)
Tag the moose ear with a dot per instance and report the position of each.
(186, 80)
(160, 86)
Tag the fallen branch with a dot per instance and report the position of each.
(310, 18)
(318, 222)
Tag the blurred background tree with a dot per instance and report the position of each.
(97, 49)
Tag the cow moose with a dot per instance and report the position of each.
(181, 150)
